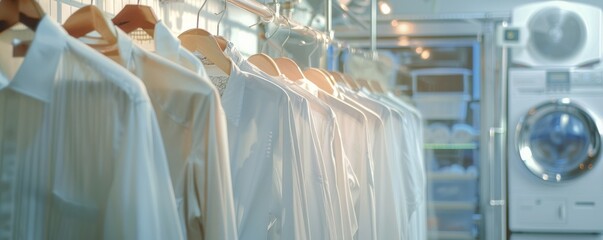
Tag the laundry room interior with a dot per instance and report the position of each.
(380, 119)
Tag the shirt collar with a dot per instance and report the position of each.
(234, 54)
(126, 48)
(36, 74)
(309, 86)
(166, 44)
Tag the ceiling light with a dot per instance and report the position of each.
(404, 27)
(425, 55)
(385, 8)
(394, 23)
(403, 41)
(419, 50)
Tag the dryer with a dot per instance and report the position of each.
(555, 173)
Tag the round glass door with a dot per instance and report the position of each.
(558, 141)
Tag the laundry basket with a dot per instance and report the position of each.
(441, 93)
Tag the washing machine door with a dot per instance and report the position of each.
(558, 141)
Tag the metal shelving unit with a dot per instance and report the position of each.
(451, 146)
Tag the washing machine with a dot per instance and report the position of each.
(552, 236)
(555, 171)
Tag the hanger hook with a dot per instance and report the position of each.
(199, 12)
(278, 26)
(91, 2)
(268, 36)
(255, 24)
(223, 12)
(316, 38)
(138, 2)
(287, 38)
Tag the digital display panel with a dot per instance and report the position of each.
(558, 77)
(511, 35)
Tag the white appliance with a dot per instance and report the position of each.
(554, 34)
(550, 236)
(555, 173)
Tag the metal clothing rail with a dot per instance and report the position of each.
(265, 13)
(269, 15)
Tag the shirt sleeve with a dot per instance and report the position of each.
(219, 223)
(141, 203)
(346, 183)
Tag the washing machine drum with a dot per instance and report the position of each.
(558, 141)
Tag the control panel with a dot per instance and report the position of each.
(555, 81)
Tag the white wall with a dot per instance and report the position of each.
(179, 16)
(464, 6)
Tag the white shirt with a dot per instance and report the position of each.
(294, 222)
(193, 127)
(260, 140)
(80, 151)
(412, 131)
(366, 210)
(352, 136)
(392, 174)
(326, 128)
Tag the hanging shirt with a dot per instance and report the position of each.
(260, 142)
(352, 134)
(168, 46)
(193, 127)
(294, 222)
(366, 209)
(413, 132)
(81, 155)
(393, 176)
(328, 209)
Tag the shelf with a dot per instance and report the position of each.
(451, 146)
(460, 235)
(450, 176)
(451, 205)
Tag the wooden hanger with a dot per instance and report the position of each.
(289, 68)
(132, 17)
(330, 77)
(338, 77)
(351, 82)
(88, 19)
(200, 40)
(377, 86)
(27, 12)
(265, 63)
(222, 42)
(320, 79)
(365, 83)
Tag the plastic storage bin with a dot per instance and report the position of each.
(443, 103)
(456, 187)
(454, 217)
(442, 106)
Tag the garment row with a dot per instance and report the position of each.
(101, 141)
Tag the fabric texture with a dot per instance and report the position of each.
(260, 141)
(81, 154)
(193, 127)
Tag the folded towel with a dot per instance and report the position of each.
(463, 133)
(438, 133)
